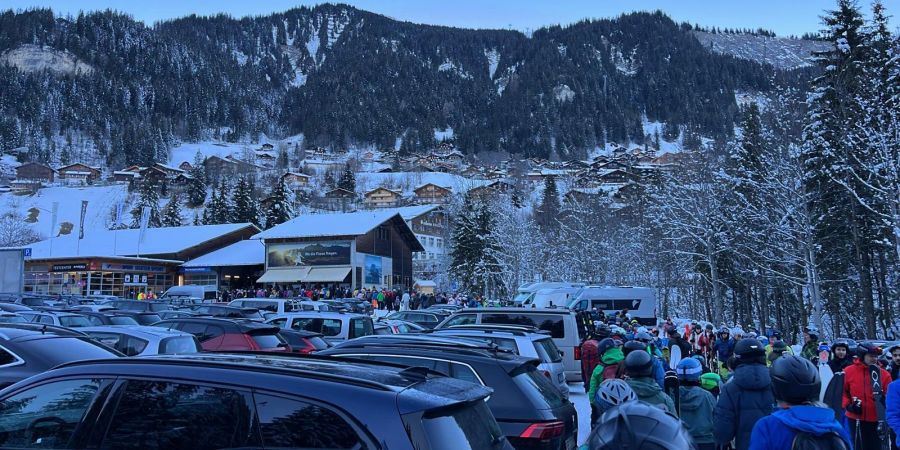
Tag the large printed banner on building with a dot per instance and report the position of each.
(327, 253)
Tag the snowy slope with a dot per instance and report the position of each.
(781, 53)
(186, 152)
(101, 204)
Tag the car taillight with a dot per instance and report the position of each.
(577, 353)
(308, 347)
(545, 430)
(251, 344)
(547, 374)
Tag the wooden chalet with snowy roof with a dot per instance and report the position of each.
(432, 193)
(78, 173)
(382, 197)
(295, 179)
(185, 166)
(35, 173)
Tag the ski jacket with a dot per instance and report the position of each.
(648, 391)
(696, 405)
(611, 365)
(589, 359)
(659, 372)
(777, 431)
(838, 365)
(724, 349)
(745, 399)
(858, 384)
(894, 370)
(892, 412)
(810, 351)
(684, 345)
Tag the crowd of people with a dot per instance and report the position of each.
(734, 389)
(381, 298)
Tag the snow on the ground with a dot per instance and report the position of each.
(579, 398)
(443, 135)
(101, 204)
(186, 152)
(493, 58)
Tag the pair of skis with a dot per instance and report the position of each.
(878, 395)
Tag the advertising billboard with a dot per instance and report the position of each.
(12, 271)
(327, 253)
(373, 270)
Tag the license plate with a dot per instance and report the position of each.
(570, 443)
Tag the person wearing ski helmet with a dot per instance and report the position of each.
(893, 366)
(639, 372)
(659, 370)
(590, 358)
(778, 350)
(676, 339)
(613, 393)
(810, 349)
(639, 426)
(840, 356)
(695, 404)
(746, 398)
(610, 366)
(859, 400)
(724, 348)
(799, 423)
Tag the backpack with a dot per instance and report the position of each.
(827, 441)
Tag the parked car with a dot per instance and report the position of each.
(30, 349)
(95, 308)
(108, 318)
(211, 401)
(139, 305)
(303, 341)
(177, 314)
(62, 319)
(233, 312)
(6, 317)
(14, 307)
(521, 342)
(143, 340)
(355, 305)
(444, 307)
(395, 326)
(333, 326)
(530, 410)
(560, 323)
(190, 291)
(276, 305)
(216, 334)
(142, 318)
(424, 318)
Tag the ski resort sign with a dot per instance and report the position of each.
(325, 253)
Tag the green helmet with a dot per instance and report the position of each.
(710, 381)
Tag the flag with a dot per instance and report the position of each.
(54, 213)
(117, 223)
(84, 204)
(145, 221)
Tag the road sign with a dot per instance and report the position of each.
(26, 252)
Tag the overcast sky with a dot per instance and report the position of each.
(785, 17)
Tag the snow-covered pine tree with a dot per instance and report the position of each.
(548, 211)
(196, 189)
(245, 206)
(149, 196)
(348, 179)
(219, 210)
(171, 214)
(279, 209)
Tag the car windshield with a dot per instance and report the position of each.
(467, 427)
(547, 351)
(147, 319)
(178, 345)
(12, 319)
(122, 320)
(74, 321)
(521, 297)
(266, 341)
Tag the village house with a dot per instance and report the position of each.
(295, 179)
(78, 173)
(432, 193)
(381, 197)
(35, 173)
(185, 166)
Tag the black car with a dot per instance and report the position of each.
(141, 317)
(219, 334)
(232, 312)
(139, 305)
(30, 349)
(212, 401)
(530, 410)
(304, 341)
(355, 305)
(424, 318)
(109, 318)
(14, 307)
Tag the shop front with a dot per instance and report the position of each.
(121, 277)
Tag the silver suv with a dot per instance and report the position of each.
(523, 341)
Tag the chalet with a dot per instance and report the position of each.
(616, 176)
(338, 200)
(611, 165)
(368, 156)
(583, 196)
(182, 179)
(382, 197)
(154, 174)
(217, 167)
(267, 146)
(544, 173)
(472, 171)
(78, 173)
(455, 157)
(35, 172)
(185, 166)
(339, 193)
(124, 176)
(421, 168)
(295, 179)
(443, 167)
(491, 189)
(669, 158)
(432, 193)
(264, 157)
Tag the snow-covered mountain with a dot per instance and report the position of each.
(781, 53)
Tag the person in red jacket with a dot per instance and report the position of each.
(859, 404)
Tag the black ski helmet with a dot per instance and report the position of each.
(867, 349)
(604, 345)
(602, 331)
(639, 364)
(795, 380)
(637, 425)
(631, 346)
(841, 343)
(749, 351)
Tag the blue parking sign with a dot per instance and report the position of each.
(26, 252)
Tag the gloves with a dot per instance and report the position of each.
(855, 406)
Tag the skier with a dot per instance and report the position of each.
(723, 348)
(840, 356)
(639, 369)
(636, 425)
(659, 371)
(777, 349)
(859, 399)
(894, 366)
(696, 404)
(675, 339)
(590, 358)
(612, 393)
(799, 423)
(810, 348)
(746, 398)
(611, 366)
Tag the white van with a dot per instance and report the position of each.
(552, 298)
(640, 302)
(191, 291)
(528, 290)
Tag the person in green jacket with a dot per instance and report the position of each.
(639, 373)
(696, 404)
(610, 366)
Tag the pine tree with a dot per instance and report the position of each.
(474, 256)
(196, 189)
(149, 196)
(279, 210)
(171, 214)
(245, 206)
(548, 211)
(348, 179)
(219, 210)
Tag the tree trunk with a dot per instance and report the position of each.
(812, 283)
(717, 309)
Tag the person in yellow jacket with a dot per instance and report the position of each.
(141, 296)
(775, 350)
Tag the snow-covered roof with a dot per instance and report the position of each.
(425, 283)
(157, 241)
(250, 252)
(411, 212)
(326, 225)
(406, 182)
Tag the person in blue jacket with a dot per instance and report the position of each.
(659, 372)
(892, 413)
(796, 384)
(746, 398)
